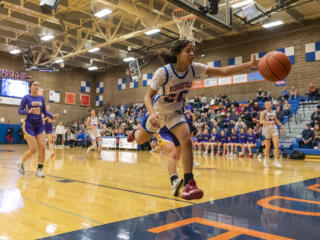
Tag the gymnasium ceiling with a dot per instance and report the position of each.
(118, 35)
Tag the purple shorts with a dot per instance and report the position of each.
(48, 128)
(33, 128)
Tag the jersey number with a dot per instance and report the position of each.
(37, 111)
(176, 97)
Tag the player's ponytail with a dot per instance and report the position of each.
(171, 56)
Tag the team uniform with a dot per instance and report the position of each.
(172, 87)
(33, 123)
(234, 138)
(94, 133)
(242, 138)
(166, 136)
(269, 131)
(252, 139)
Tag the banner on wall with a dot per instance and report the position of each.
(211, 82)
(197, 84)
(281, 83)
(256, 76)
(70, 98)
(54, 96)
(12, 74)
(84, 100)
(241, 78)
(224, 81)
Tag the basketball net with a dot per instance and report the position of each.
(185, 22)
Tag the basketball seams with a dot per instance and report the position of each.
(284, 65)
(269, 68)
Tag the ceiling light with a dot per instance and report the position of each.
(15, 51)
(242, 3)
(128, 59)
(94, 50)
(103, 12)
(153, 31)
(59, 61)
(92, 68)
(272, 24)
(47, 37)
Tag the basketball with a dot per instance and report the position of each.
(275, 66)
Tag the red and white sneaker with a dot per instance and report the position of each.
(191, 191)
(130, 137)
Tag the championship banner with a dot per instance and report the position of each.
(197, 84)
(224, 81)
(54, 96)
(241, 78)
(84, 100)
(211, 82)
(280, 83)
(70, 98)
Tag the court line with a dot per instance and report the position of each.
(65, 211)
(105, 186)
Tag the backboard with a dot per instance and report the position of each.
(215, 11)
(134, 69)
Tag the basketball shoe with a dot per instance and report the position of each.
(21, 168)
(40, 173)
(176, 185)
(191, 191)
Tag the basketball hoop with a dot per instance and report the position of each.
(185, 22)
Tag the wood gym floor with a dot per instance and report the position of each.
(127, 196)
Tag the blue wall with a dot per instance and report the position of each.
(3, 132)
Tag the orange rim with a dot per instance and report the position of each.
(191, 16)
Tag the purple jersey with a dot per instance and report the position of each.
(214, 137)
(206, 137)
(37, 102)
(251, 138)
(234, 138)
(199, 138)
(223, 139)
(242, 138)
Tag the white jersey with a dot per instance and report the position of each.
(269, 130)
(172, 87)
(93, 121)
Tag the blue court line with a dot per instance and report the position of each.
(114, 188)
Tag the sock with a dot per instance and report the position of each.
(173, 177)
(40, 166)
(187, 178)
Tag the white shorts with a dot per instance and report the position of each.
(269, 132)
(169, 120)
(94, 134)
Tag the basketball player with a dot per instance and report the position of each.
(94, 133)
(171, 83)
(33, 106)
(269, 119)
(48, 130)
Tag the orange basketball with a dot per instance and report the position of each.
(275, 66)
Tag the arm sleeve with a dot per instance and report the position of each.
(22, 106)
(199, 68)
(159, 78)
(45, 113)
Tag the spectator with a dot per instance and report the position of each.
(240, 124)
(10, 134)
(293, 93)
(258, 130)
(307, 137)
(315, 116)
(59, 132)
(316, 139)
(259, 95)
(286, 108)
(285, 93)
(312, 92)
(279, 114)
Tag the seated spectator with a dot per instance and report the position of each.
(286, 108)
(206, 141)
(259, 95)
(316, 139)
(318, 106)
(285, 93)
(315, 115)
(197, 144)
(223, 142)
(280, 114)
(307, 137)
(251, 141)
(214, 141)
(242, 141)
(81, 139)
(234, 141)
(240, 124)
(293, 93)
(258, 130)
(247, 119)
(266, 96)
(10, 132)
(312, 92)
